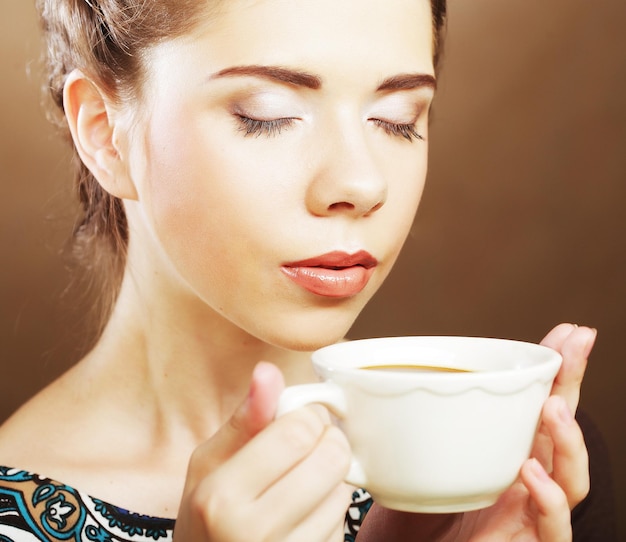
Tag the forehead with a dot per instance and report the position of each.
(382, 36)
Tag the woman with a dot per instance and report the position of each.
(252, 179)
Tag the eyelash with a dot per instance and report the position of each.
(274, 127)
(407, 131)
(263, 127)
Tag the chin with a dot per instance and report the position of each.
(306, 334)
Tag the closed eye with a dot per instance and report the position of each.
(406, 130)
(258, 127)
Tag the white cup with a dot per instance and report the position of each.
(433, 441)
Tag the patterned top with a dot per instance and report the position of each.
(37, 509)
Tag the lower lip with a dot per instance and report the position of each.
(325, 282)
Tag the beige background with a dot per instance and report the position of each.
(522, 223)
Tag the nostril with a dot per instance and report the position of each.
(341, 206)
(376, 207)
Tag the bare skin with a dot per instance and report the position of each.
(171, 414)
(198, 308)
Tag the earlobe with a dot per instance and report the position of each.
(89, 116)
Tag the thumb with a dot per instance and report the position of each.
(251, 417)
(259, 408)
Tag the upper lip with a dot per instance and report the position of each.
(338, 260)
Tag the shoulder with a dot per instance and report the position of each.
(35, 429)
(57, 431)
(76, 433)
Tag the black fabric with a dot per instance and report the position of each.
(593, 520)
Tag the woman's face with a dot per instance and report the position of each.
(279, 156)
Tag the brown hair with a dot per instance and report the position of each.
(105, 38)
(439, 11)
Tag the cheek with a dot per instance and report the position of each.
(407, 180)
(213, 201)
(206, 170)
(405, 191)
(179, 195)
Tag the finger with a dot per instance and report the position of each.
(321, 472)
(570, 462)
(232, 497)
(254, 413)
(262, 401)
(269, 456)
(557, 335)
(574, 344)
(326, 522)
(550, 503)
(575, 351)
(543, 446)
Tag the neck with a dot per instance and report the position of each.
(184, 367)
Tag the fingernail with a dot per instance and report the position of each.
(591, 341)
(253, 382)
(538, 470)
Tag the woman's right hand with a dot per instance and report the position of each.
(265, 479)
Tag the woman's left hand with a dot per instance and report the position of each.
(556, 478)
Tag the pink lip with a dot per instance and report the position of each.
(335, 274)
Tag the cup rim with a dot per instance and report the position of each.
(544, 364)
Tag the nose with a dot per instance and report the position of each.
(347, 179)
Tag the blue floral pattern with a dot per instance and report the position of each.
(37, 509)
(34, 508)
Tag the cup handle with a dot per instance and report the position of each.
(332, 397)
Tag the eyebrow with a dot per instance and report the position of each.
(299, 78)
(408, 81)
(282, 75)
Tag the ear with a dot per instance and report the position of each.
(92, 124)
